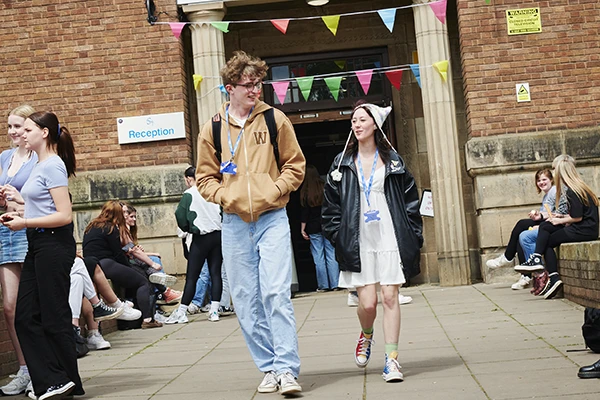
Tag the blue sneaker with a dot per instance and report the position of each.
(363, 350)
(391, 371)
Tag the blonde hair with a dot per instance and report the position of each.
(243, 64)
(23, 111)
(566, 173)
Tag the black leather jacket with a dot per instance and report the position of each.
(341, 213)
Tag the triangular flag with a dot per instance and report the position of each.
(305, 84)
(394, 77)
(197, 80)
(176, 28)
(332, 22)
(417, 72)
(281, 24)
(333, 83)
(388, 16)
(222, 89)
(280, 89)
(364, 77)
(222, 26)
(442, 68)
(341, 64)
(439, 9)
(377, 64)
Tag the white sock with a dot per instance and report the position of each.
(214, 306)
(91, 332)
(183, 308)
(24, 369)
(117, 304)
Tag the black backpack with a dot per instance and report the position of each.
(271, 125)
(591, 329)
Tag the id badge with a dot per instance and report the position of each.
(228, 167)
(372, 216)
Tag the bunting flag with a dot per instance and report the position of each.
(488, 2)
(222, 26)
(442, 68)
(197, 80)
(333, 84)
(281, 24)
(332, 23)
(341, 64)
(388, 16)
(222, 89)
(439, 9)
(280, 89)
(305, 84)
(364, 77)
(395, 77)
(416, 72)
(176, 28)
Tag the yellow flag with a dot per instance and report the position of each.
(197, 80)
(442, 68)
(332, 22)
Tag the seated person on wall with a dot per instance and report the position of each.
(544, 183)
(580, 224)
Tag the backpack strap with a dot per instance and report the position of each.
(272, 126)
(216, 133)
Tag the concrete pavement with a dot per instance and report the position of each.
(469, 343)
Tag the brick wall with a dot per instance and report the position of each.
(91, 62)
(580, 271)
(561, 64)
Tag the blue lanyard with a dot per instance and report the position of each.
(233, 149)
(367, 189)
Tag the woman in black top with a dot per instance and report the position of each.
(579, 225)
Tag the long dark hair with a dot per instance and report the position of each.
(382, 144)
(311, 193)
(60, 138)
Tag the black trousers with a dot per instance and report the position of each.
(513, 243)
(43, 315)
(204, 248)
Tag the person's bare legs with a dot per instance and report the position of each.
(9, 281)
(367, 306)
(103, 287)
(391, 314)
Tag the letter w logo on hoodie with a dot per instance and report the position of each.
(260, 137)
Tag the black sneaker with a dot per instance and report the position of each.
(58, 391)
(553, 287)
(80, 346)
(102, 312)
(226, 310)
(534, 264)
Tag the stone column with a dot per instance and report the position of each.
(209, 56)
(443, 150)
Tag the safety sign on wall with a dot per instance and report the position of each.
(524, 21)
(523, 93)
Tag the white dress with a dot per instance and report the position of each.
(379, 254)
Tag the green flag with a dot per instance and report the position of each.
(334, 86)
(305, 84)
(222, 26)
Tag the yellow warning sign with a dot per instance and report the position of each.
(523, 93)
(524, 21)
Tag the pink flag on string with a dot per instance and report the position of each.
(395, 77)
(280, 89)
(281, 24)
(176, 28)
(364, 77)
(439, 9)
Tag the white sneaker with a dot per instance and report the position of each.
(18, 384)
(162, 279)
(288, 384)
(213, 316)
(96, 342)
(498, 262)
(177, 317)
(522, 283)
(404, 299)
(391, 370)
(193, 309)
(129, 313)
(158, 317)
(29, 391)
(206, 308)
(269, 383)
(352, 299)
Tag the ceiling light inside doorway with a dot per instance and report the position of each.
(317, 3)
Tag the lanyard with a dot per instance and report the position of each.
(367, 189)
(233, 149)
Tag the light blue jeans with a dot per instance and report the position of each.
(328, 271)
(527, 241)
(203, 286)
(258, 259)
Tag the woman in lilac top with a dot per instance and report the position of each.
(43, 316)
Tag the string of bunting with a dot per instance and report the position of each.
(387, 15)
(334, 80)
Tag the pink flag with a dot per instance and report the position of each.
(364, 77)
(395, 77)
(280, 89)
(439, 9)
(281, 24)
(176, 28)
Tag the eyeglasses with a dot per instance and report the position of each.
(250, 86)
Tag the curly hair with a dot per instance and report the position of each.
(242, 64)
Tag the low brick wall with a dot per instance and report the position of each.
(579, 267)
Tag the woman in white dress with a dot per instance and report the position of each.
(371, 215)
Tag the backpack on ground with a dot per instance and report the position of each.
(269, 116)
(591, 328)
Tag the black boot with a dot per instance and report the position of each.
(591, 371)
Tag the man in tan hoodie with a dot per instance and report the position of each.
(253, 189)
